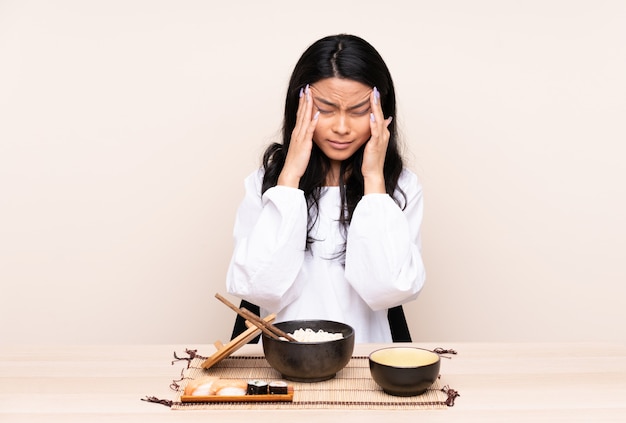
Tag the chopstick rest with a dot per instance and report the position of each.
(243, 338)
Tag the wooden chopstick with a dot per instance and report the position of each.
(267, 328)
(247, 316)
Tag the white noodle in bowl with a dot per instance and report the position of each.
(309, 335)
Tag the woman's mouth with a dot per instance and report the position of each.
(339, 145)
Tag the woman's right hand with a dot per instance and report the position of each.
(299, 152)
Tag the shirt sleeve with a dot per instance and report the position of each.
(270, 237)
(383, 253)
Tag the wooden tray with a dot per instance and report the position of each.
(224, 351)
(288, 397)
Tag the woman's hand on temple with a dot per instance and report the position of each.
(376, 148)
(301, 142)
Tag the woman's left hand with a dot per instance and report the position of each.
(376, 148)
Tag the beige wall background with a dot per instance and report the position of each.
(127, 127)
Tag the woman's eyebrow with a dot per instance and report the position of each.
(331, 104)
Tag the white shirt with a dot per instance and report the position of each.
(382, 266)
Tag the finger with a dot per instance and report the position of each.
(312, 124)
(376, 105)
(374, 129)
(303, 117)
(299, 113)
(379, 125)
(375, 115)
(380, 133)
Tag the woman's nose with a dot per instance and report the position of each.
(341, 124)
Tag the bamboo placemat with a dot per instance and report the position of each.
(352, 388)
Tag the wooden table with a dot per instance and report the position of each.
(498, 382)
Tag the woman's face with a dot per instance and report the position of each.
(344, 117)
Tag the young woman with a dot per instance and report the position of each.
(330, 225)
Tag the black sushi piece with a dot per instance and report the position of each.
(278, 387)
(257, 387)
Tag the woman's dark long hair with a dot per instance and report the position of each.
(341, 56)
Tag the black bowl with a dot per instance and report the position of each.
(310, 361)
(404, 371)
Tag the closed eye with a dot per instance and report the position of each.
(361, 112)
